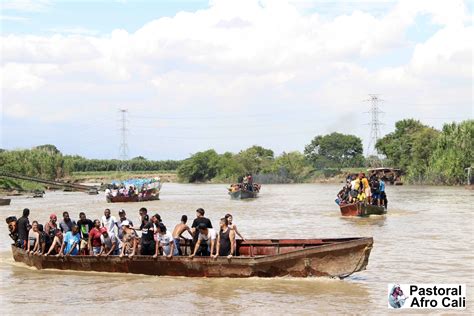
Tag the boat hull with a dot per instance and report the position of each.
(361, 209)
(243, 194)
(5, 201)
(298, 258)
(136, 198)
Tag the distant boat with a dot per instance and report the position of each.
(335, 257)
(149, 195)
(93, 192)
(38, 194)
(5, 201)
(237, 192)
(361, 209)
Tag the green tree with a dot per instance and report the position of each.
(202, 166)
(294, 164)
(335, 151)
(255, 159)
(453, 153)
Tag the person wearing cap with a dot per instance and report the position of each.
(122, 218)
(165, 242)
(129, 240)
(94, 239)
(110, 243)
(206, 241)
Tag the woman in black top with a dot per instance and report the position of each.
(225, 240)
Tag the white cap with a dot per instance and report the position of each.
(125, 223)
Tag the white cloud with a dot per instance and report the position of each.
(245, 56)
(26, 5)
(13, 18)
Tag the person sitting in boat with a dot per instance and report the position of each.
(70, 246)
(206, 241)
(129, 241)
(55, 244)
(44, 241)
(165, 242)
(225, 240)
(110, 243)
(178, 232)
(33, 238)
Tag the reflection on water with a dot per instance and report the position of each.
(426, 237)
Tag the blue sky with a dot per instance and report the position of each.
(226, 74)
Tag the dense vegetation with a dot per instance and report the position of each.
(428, 155)
(425, 154)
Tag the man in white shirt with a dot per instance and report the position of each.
(206, 241)
(108, 221)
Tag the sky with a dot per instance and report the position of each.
(226, 74)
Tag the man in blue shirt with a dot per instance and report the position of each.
(72, 240)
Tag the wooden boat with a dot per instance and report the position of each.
(136, 198)
(238, 192)
(38, 194)
(259, 257)
(243, 194)
(5, 201)
(361, 209)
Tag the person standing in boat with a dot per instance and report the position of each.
(200, 219)
(122, 218)
(94, 241)
(23, 225)
(178, 232)
(143, 213)
(85, 226)
(206, 241)
(225, 240)
(232, 226)
(108, 221)
(365, 187)
(70, 246)
(67, 223)
(148, 241)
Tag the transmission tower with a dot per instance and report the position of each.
(123, 149)
(374, 124)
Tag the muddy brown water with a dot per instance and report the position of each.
(426, 237)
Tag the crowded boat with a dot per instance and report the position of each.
(119, 236)
(244, 188)
(133, 190)
(359, 189)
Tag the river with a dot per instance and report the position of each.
(426, 237)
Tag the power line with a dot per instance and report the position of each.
(123, 148)
(374, 124)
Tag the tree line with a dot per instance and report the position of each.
(425, 154)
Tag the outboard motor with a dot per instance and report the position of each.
(13, 229)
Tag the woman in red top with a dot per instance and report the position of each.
(94, 239)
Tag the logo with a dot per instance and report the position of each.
(427, 296)
(396, 297)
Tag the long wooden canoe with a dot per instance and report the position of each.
(5, 201)
(260, 257)
(361, 209)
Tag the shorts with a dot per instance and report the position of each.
(147, 249)
(96, 250)
(368, 193)
(354, 193)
